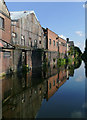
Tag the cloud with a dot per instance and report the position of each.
(80, 33)
(62, 36)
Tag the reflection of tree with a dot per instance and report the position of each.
(77, 64)
(71, 70)
(86, 69)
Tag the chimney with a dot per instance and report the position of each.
(67, 40)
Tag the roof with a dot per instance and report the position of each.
(19, 14)
(4, 9)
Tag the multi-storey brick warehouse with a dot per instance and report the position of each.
(5, 38)
(28, 35)
(56, 46)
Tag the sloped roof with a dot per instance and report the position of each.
(19, 14)
(4, 8)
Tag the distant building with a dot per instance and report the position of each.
(69, 45)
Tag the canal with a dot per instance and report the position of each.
(56, 92)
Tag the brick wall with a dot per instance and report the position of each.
(6, 32)
(51, 35)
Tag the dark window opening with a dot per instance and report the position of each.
(49, 85)
(1, 22)
(39, 42)
(50, 41)
(54, 83)
(54, 42)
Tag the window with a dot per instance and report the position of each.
(50, 41)
(1, 22)
(35, 43)
(57, 80)
(54, 83)
(22, 40)
(49, 85)
(31, 43)
(54, 42)
(39, 42)
(57, 44)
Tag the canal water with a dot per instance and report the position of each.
(54, 92)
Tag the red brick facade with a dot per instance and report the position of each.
(54, 43)
(6, 32)
(5, 37)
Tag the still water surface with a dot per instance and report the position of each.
(53, 93)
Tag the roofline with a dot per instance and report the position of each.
(56, 34)
(52, 31)
(26, 15)
(62, 38)
(6, 7)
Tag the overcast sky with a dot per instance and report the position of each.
(67, 19)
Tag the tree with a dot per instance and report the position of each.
(77, 52)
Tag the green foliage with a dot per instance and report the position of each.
(77, 52)
(61, 61)
(71, 51)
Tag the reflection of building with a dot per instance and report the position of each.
(55, 81)
(24, 93)
(52, 85)
(20, 98)
(56, 77)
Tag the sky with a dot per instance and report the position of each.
(67, 19)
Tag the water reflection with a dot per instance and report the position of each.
(85, 105)
(22, 94)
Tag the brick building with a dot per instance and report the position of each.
(56, 47)
(5, 39)
(27, 37)
(62, 47)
